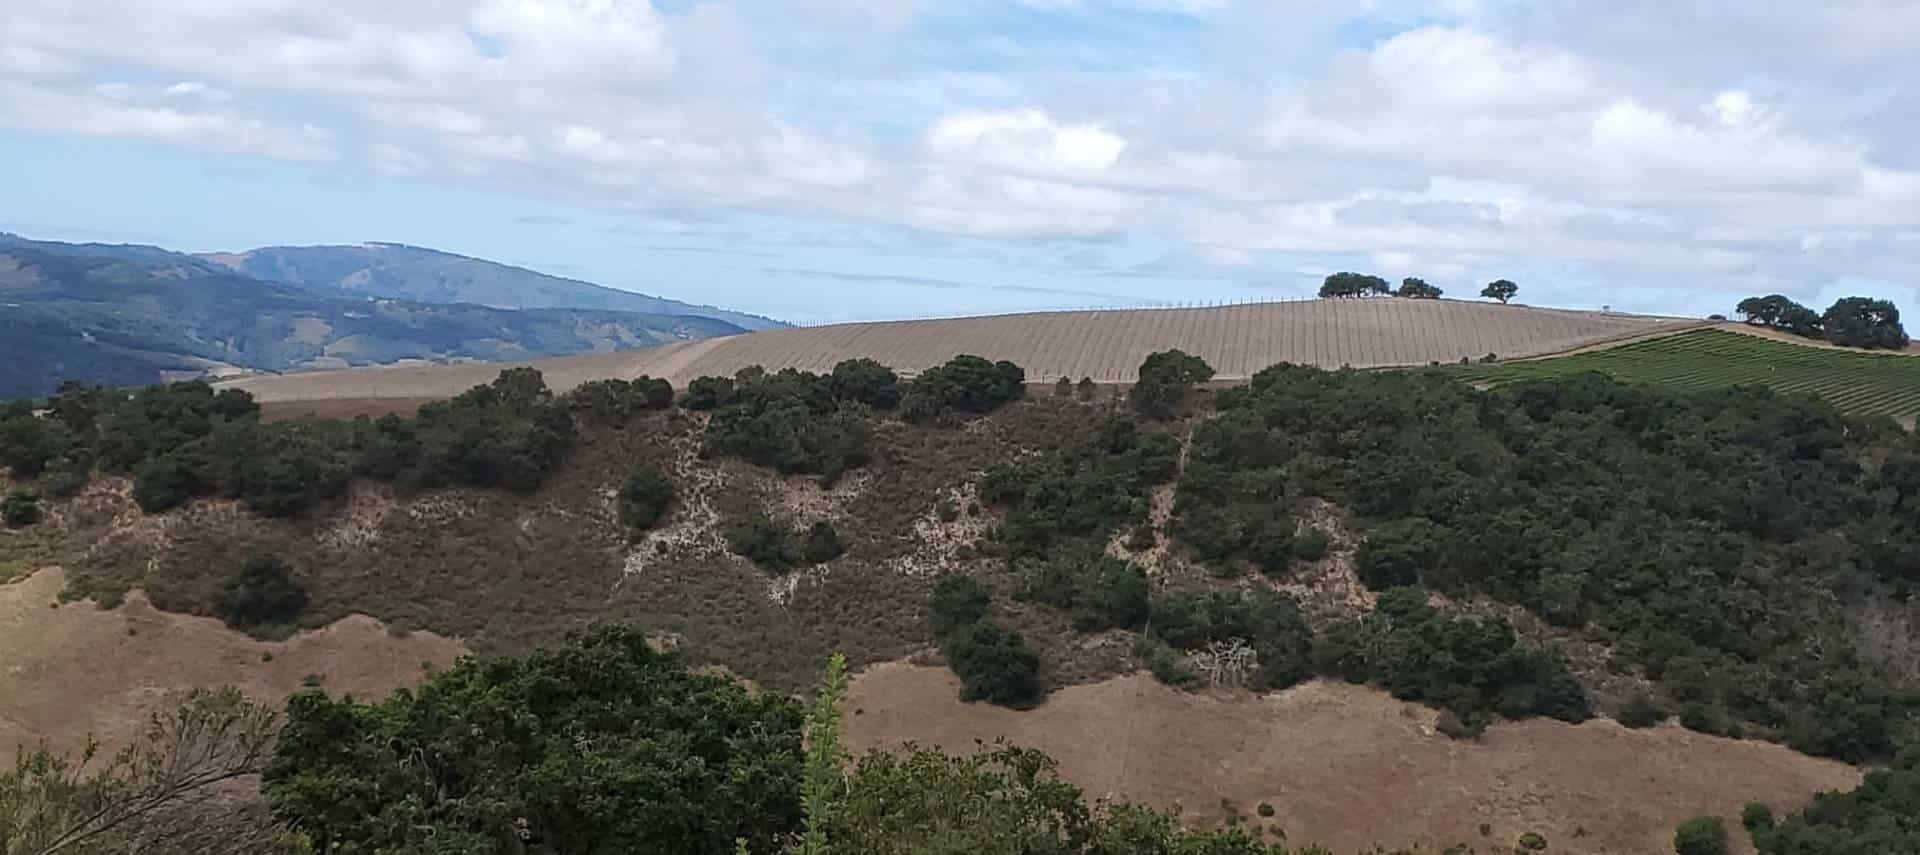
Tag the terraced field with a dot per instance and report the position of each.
(1856, 382)
(1106, 346)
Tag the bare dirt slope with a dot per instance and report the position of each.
(69, 670)
(1349, 767)
(1106, 346)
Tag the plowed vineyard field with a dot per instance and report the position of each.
(1106, 346)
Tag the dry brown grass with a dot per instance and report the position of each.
(73, 669)
(1104, 345)
(1350, 767)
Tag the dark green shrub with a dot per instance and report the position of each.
(994, 665)
(613, 401)
(263, 592)
(1164, 663)
(163, 483)
(957, 602)
(706, 393)
(1086, 389)
(1165, 378)
(1641, 711)
(644, 500)
(964, 384)
(765, 542)
(822, 544)
(1309, 544)
(1532, 841)
(1702, 835)
(1703, 718)
(1396, 553)
(21, 508)
(867, 382)
(1756, 818)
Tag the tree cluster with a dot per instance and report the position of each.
(772, 545)
(1348, 284)
(964, 385)
(614, 401)
(789, 421)
(1707, 534)
(1880, 815)
(1850, 321)
(185, 440)
(1471, 667)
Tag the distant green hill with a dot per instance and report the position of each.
(133, 315)
(429, 276)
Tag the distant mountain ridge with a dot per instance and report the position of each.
(135, 315)
(424, 275)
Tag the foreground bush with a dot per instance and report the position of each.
(599, 745)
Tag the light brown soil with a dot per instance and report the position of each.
(1106, 346)
(69, 670)
(1349, 767)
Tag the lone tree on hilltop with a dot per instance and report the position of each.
(1500, 289)
(1346, 284)
(1418, 289)
(1864, 322)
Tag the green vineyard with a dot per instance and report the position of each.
(1857, 383)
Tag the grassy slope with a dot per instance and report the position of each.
(1855, 382)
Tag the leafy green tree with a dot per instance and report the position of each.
(1702, 835)
(963, 384)
(1396, 553)
(1500, 289)
(1346, 284)
(262, 592)
(599, 745)
(1864, 322)
(867, 382)
(644, 499)
(1165, 378)
(167, 793)
(994, 665)
(20, 508)
(163, 483)
(1418, 289)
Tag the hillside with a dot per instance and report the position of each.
(1507, 564)
(132, 316)
(1867, 383)
(402, 272)
(1105, 346)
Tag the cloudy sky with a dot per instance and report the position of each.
(822, 160)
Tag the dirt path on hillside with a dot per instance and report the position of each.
(1349, 767)
(67, 670)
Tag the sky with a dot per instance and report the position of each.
(832, 160)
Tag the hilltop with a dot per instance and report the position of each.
(1105, 346)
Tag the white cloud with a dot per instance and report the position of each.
(1025, 140)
